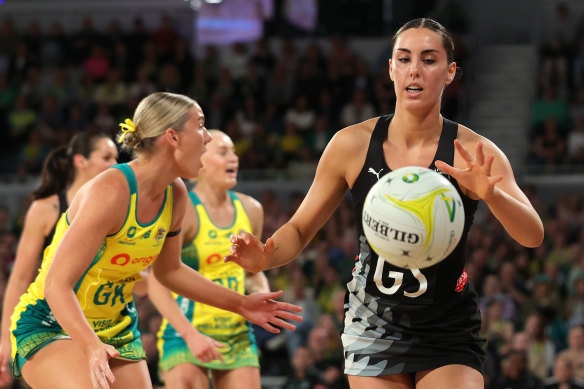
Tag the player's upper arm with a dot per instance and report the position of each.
(179, 206)
(501, 165)
(169, 257)
(98, 209)
(338, 167)
(39, 219)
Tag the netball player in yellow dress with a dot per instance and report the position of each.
(77, 326)
(191, 332)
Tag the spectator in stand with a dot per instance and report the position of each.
(541, 352)
(492, 290)
(358, 110)
(303, 374)
(575, 142)
(113, 91)
(142, 85)
(164, 38)
(263, 58)
(549, 147)
(563, 376)
(279, 87)
(574, 307)
(543, 296)
(301, 115)
(97, 64)
(575, 351)
(169, 79)
(236, 62)
(515, 374)
(546, 106)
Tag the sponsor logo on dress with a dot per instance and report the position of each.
(160, 234)
(374, 172)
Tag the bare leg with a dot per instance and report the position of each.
(243, 377)
(450, 377)
(130, 374)
(186, 376)
(394, 381)
(60, 364)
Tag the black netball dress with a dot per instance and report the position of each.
(408, 320)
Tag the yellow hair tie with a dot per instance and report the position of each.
(127, 126)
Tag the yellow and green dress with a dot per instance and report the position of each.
(205, 254)
(105, 289)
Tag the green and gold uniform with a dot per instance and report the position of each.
(205, 254)
(105, 289)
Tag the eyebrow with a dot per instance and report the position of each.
(423, 51)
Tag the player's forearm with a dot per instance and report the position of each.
(168, 307)
(15, 288)
(68, 313)
(288, 243)
(519, 220)
(192, 285)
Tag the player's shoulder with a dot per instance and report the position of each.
(469, 138)
(354, 137)
(43, 211)
(248, 202)
(107, 190)
(45, 204)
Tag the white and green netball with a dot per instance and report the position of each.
(413, 217)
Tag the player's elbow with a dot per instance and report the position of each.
(535, 238)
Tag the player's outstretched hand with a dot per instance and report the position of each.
(263, 310)
(249, 253)
(477, 175)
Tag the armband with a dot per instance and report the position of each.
(173, 233)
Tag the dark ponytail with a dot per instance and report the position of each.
(57, 173)
(58, 170)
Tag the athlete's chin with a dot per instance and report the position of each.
(190, 173)
(417, 106)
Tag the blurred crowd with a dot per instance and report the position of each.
(281, 103)
(557, 115)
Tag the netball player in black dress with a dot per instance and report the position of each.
(407, 328)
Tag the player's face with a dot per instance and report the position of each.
(220, 163)
(419, 69)
(104, 156)
(192, 143)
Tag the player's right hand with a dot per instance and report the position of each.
(101, 374)
(202, 347)
(249, 252)
(262, 309)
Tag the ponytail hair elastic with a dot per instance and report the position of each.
(127, 126)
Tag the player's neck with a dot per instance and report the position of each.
(152, 178)
(414, 128)
(211, 195)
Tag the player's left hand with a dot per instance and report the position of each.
(477, 176)
(263, 310)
